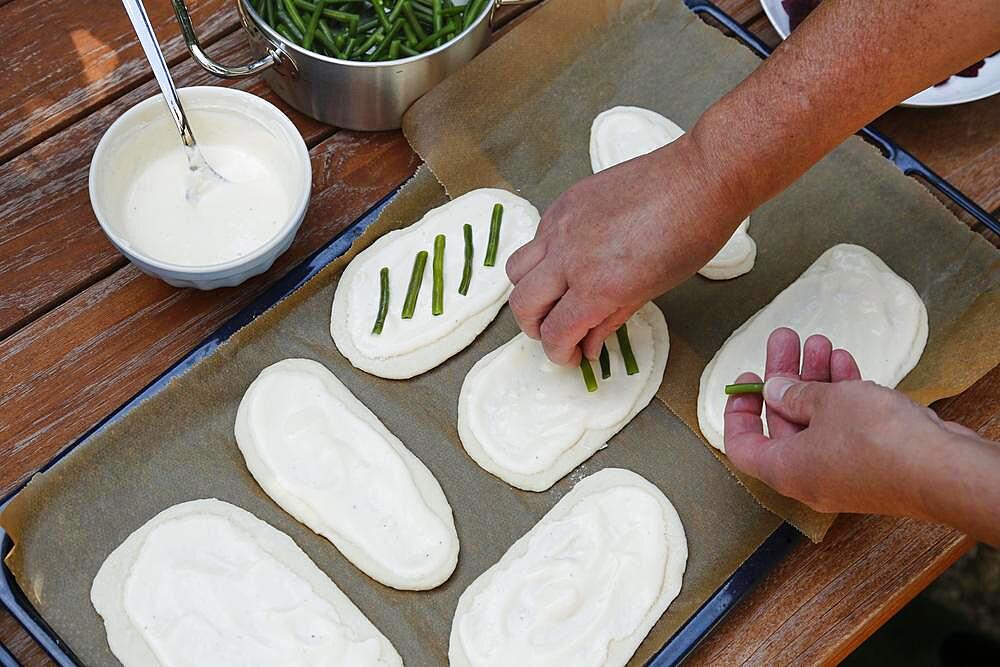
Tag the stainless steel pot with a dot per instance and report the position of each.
(344, 93)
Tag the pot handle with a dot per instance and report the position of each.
(272, 52)
(508, 3)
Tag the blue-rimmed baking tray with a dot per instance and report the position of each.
(701, 623)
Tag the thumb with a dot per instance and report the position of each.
(793, 399)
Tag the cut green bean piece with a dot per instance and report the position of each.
(294, 14)
(605, 360)
(472, 12)
(437, 275)
(408, 51)
(383, 300)
(494, 243)
(631, 367)
(745, 388)
(380, 13)
(416, 277)
(310, 33)
(588, 375)
(435, 36)
(411, 18)
(463, 288)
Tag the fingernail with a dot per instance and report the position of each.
(775, 388)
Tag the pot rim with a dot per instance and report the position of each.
(274, 35)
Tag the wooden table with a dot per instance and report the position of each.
(81, 330)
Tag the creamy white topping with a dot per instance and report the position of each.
(203, 592)
(407, 347)
(849, 295)
(207, 583)
(147, 189)
(624, 133)
(326, 459)
(583, 587)
(530, 421)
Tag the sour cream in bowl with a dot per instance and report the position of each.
(231, 230)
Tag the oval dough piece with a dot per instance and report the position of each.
(207, 583)
(583, 587)
(530, 422)
(623, 133)
(409, 347)
(328, 461)
(850, 296)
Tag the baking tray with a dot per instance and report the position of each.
(707, 616)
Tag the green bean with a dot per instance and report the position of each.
(335, 14)
(383, 300)
(386, 41)
(380, 13)
(328, 40)
(375, 38)
(744, 388)
(365, 26)
(452, 11)
(408, 51)
(411, 18)
(411, 36)
(348, 47)
(437, 274)
(394, 14)
(631, 367)
(293, 13)
(463, 288)
(310, 33)
(494, 243)
(413, 290)
(605, 360)
(438, 20)
(434, 37)
(472, 11)
(285, 32)
(292, 33)
(588, 375)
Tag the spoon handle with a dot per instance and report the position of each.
(144, 31)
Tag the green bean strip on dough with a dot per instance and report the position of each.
(463, 288)
(383, 300)
(437, 275)
(631, 367)
(605, 360)
(413, 290)
(588, 375)
(494, 244)
(744, 388)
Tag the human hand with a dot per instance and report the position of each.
(614, 241)
(836, 443)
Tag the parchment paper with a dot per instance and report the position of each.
(179, 446)
(519, 117)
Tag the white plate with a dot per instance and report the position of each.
(957, 90)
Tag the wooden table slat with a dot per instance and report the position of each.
(62, 60)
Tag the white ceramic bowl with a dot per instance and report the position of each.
(206, 277)
(957, 90)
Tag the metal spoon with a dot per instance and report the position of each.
(201, 175)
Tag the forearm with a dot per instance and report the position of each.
(848, 63)
(958, 484)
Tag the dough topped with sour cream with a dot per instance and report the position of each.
(850, 296)
(530, 422)
(624, 133)
(583, 587)
(408, 347)
(207, 583)
(328, 461)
